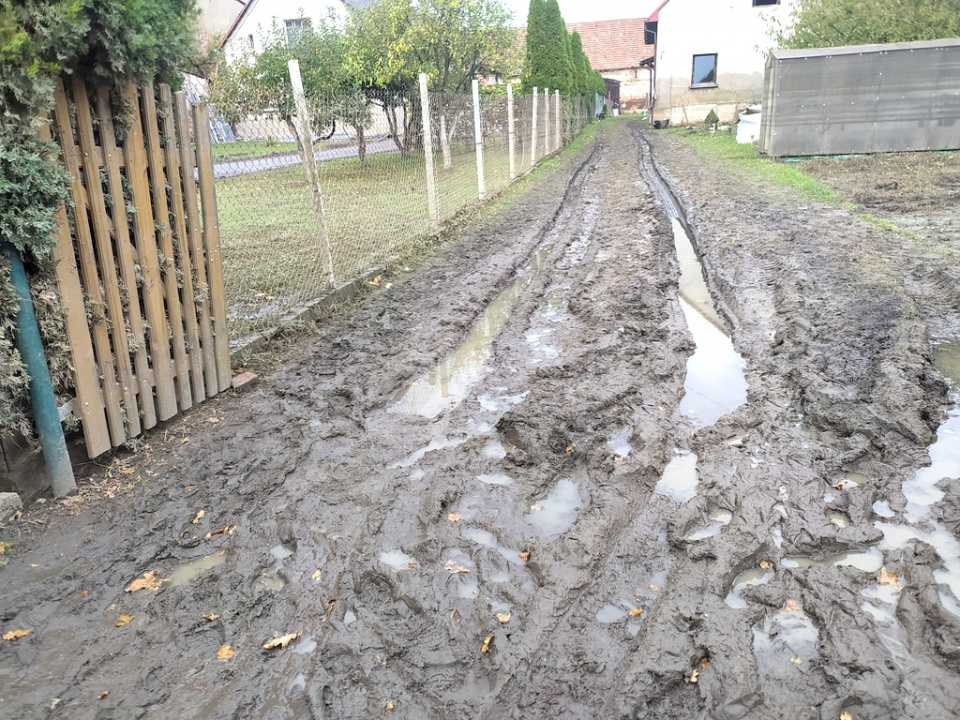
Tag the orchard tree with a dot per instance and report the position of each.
(453, 41)
(831, 23)
(547, 62)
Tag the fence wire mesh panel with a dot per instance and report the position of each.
(309, 203)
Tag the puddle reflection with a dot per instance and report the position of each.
(554, 515)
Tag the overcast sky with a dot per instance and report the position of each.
(589, 10)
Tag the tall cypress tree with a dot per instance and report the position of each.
(547, 60)
(580, 63)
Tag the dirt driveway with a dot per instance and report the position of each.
(485, 492)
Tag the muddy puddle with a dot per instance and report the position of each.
(455, 376)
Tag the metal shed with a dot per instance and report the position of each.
(862, 99)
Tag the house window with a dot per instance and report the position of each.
(757, 3)
(704, 71)
(294, 29)
(649, 32)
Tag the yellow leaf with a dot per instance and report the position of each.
(846, 716)
(503, 617)
(793, 606)
(389, 707)
(376, 281)
(766, 564)
(225, 653)
(655, 588)
(123, 620)
(102, 695)
(147, 582)
(228, 530)
(488, 641)
(281, 641)
(211, 616)
(16, 634)
(704, 662)
(885, 577)
(694, 677)
(525, 556)
(453, 517)
(796, 661)
(453, 567)
(635, 612)
(570, 448)
(316, 575)
(199, 515)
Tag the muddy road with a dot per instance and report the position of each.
(530, 479)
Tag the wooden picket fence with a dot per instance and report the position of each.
(138, 259)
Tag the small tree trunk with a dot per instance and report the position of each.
(361, 144)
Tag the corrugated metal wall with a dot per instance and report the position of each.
(862, 99)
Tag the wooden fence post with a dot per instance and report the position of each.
(432, 208)
(310, 167)
(478, 139)
(511, 138)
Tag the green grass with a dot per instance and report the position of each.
(247, 149)
(747, 159)
(374, 214)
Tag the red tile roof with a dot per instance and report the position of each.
(613, 44)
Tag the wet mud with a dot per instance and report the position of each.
(487, 492)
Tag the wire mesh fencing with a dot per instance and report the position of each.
(310, 201)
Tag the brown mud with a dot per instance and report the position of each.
(456, 494)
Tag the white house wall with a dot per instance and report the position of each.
(258, 21)
(737, 32)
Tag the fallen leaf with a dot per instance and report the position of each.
(147, 582)
(84, 593)
(694, 676)
(838, 486)
(127, 470)
(376, 281)
(112, 607)
(16, 634)
(389, 707)
(185, 440)
(316, 575)
(211, 616)
(503, 617)
(488, 641)
(766, 564)
(213, 420)
(796, 661)
(846, 716)
(525, 556)
(454, 614)
(636, 611)
(102, 695)
(793, 606)
(228, 529)
(453, 567)
(453, 517)
(3, 548)
(197, 518)
(282, 641)
(123, 620)
(16, 516)
(655, 588)
(536, 507)
(570, 448)
(885, 577)
(704, 662)
(225, 653)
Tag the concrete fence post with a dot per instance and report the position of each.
(546, 121)
(478, 139)
(558, 136)
(533, 132)
(511, 139)
(432, 209)
(310, 167)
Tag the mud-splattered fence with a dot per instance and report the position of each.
(289, 235)
(138, 260)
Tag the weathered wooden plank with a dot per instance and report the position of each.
(108, 270)
(169, 270)
(86, 378)
(144, 233)
(126, 261)
(189, 309)
(211, 242)
(196, 243)
(89, 274)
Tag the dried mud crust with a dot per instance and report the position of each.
(318, 476)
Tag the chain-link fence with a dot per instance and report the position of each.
(292, 230)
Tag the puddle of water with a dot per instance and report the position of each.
(554, 515)
(495, 479)
(611, 613)
(755, 576)
(398, 560)
(494, 450)
(715, 384)
(453, 378)
(297, 682)
(896, 537)
(719, 518)
(693, 289)
(304, 646)
(882, 508)
(838, 519)
(281, 551)
(489, 540)
(789, 632)
(349, 618)
(869, 560)
(619, 442)
(439, 443)
(500, 403)
(921, 490)
(268, 582)
(188, 572)
(679, 480)
(463, 572)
